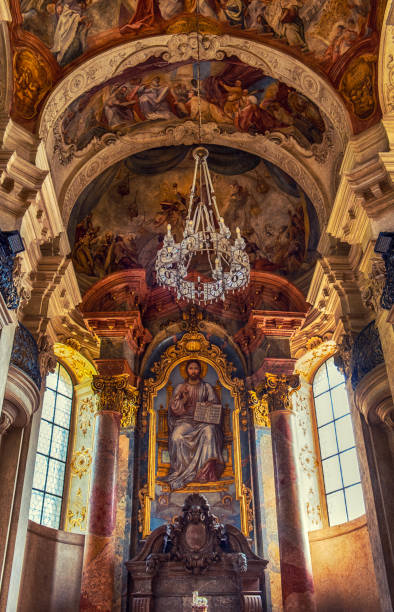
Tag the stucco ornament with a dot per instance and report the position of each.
(175, 48)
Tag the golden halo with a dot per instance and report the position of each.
(204, 367)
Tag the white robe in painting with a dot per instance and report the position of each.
(196, 449)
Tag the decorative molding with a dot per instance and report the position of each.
(367, 353)
(187, 133)
(117, 395)
(276, 391)
(81, 461)
(373, 397)
(22, 393)
(259, 409)
(25, 354)
(372, 285)
(307, 365)
(77, 363)
(181, 47)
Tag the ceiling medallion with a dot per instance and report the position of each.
(206, 235)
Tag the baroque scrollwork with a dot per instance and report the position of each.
(81, 461)
(259, 408)
(366, 354)
(275, 390)
(25, 354)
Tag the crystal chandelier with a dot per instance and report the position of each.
(205, 233)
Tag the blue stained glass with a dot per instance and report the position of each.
(51, 379)
(44, 439)
(51, 511)
(40, 471)
(335, 376)
(63, 411)
(345, 432)
(59, 443)
(64, 384)
(340, 401)
(349, 463)
(49, 470)
(323, 409)
(48, 404)
(55, 477)
(355, 501)
(320, 382)
(37, 498)
(337, 445)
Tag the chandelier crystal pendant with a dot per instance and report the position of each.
(206, 234)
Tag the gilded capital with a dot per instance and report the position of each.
(116, 394)
(276, 390)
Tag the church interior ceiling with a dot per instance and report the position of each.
(124, 226)
(338, 39)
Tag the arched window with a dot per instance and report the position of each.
(341, 474)
(50, 466)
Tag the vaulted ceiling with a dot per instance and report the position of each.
(111, 89)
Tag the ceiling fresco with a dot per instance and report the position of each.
(120, 219)
(338, 38)
(233, 95)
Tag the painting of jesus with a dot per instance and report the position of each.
(195, 447)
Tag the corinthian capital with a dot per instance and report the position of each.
(276, 389)
(117, 395)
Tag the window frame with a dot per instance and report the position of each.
(70, 442)
(322, 488)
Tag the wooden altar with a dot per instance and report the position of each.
(196, 553)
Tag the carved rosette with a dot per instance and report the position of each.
(276, 391)
(117, 395)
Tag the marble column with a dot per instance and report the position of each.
(295, 562)
(97, 589)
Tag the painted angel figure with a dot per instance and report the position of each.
(195, 448)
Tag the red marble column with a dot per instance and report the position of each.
(99, 553)
(295, 562)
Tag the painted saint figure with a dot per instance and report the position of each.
(195, 448)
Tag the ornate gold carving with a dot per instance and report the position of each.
(307, 365)
(142, 497)
(31, 82)
(87, 409)
(313, 342)
(115, 394)
(81, 462)
(276, 391)
(130, 408)
(259, 408)
(172, 357)
(80, 366)
(76, 515)
(249, 507)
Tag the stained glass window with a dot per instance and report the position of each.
(50, 466)
(337, 446)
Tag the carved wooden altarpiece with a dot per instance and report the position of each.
(196, 553)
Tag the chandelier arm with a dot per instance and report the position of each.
(192, 193)
(212, 191)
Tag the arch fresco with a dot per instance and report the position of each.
(234, 96)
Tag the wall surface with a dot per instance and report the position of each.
(51, 579)
(343, 570)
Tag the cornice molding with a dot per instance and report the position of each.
(182, 47)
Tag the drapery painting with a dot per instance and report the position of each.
(120, 220)
(194, 443)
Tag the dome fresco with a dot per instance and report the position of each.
(123, 227)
